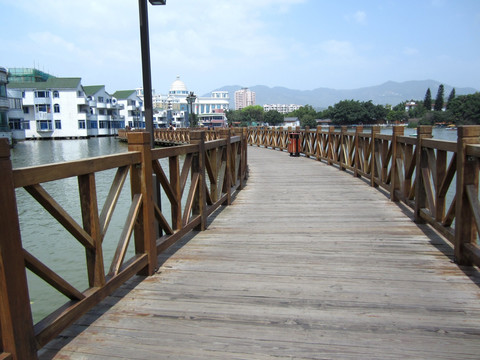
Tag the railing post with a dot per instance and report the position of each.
(142, 183)
(343, 150)
(394, 182)
(356, 162)
(318, 142)
(228, 176)
(304, 140)
(375, 131)
(17, 334)
(423, 132)
(243, 159)
(198, 166)
(467, 174)
(331, 145)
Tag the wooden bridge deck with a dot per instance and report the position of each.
(308, 263)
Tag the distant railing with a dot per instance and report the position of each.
(418, 171)
(179, 136)
(216, 170)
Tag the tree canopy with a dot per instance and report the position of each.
(351, 112)
(427, 102)
(439, 99)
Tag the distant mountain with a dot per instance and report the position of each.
(390, 92)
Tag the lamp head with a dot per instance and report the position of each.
(158, 2)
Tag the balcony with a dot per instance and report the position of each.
(101, 105)
(4, 104)
(42, 100)
(43, 116)
(81, 101)
(44, 126)
(92, 103)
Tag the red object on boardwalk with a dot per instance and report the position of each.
(294, 144)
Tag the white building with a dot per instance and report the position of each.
(132, 108)
(281, 108)
(62, 108)
(4, 107)
(16, 119)
(243, 98)
(173, 108)
(104, 116)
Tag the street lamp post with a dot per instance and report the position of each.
(190, 99)
(146, 70)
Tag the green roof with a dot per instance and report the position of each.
(51, 83)
(92, 89)
(123, 94)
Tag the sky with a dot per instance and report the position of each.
(298, 44)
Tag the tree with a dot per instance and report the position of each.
(273, 117)
(427, 102)
(351, 112)
(308, 120)
(465, 109)
(302, 111)
(234, 117)
(252, 114)
(450, 98)
(439, 99)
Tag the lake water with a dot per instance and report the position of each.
(50, 242)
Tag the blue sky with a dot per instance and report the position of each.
(299, 44)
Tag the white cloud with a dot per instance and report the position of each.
(360, 17)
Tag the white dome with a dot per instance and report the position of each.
(178, 86)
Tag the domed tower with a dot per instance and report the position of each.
(178, 88)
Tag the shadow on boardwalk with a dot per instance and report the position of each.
(308, 262)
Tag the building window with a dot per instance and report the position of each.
(23, 94)
(104, 125)
(15, 124)
(25, 110)
(43, 108)
(81, 124)
(56, 108)
(58, 124)
(44, 125)
(56, 94)
(26, 125)
(92, 124)
(42, 94)
(100, 99)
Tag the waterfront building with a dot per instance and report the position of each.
(56, 107)
(281, 108)
(132, 110)
(243, 98)
(103, 117)
(4, 107)
(173, 107)
(16, 119)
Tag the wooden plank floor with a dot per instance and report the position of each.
(308, 263)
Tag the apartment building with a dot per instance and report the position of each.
(281, 108)
(243, 98)
(56, 107)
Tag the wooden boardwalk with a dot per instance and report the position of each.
(307, 263)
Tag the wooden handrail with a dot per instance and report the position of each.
(417, 171)
(216, 168)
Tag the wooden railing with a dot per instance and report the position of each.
(216, 170)
(178, 136)
(419, 171)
